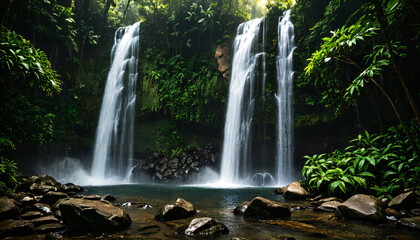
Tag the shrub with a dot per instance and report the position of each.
(381, 164)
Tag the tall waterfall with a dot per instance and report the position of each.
(113, 151)
(284, 97)
(236, 146)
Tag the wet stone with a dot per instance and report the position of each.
(31, 215)
(110, 198)
(404, 201)
(411, 222)
(51, 197)
(362, 207)
(239, 210)
(263, 208)
(8, 209)
(44, 208)
(181, 209)
(50, 227)
(206, 226)
(44, 220)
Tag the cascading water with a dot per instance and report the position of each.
(284, 97)
(113, 151)
(236, 146)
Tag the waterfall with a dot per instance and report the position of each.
(284, 97)
(236, 145)
(113, 150)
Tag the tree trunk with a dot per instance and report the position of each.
(383, 24)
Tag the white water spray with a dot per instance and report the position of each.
(284, 96)
(113, 151)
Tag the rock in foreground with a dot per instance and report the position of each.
(362, 207)
(181, 209)
(295, 191)
(403, 201)
(206, 226)
(412, 222)
(263, 208)
(87, 215)
(8, 209)
(12, 227)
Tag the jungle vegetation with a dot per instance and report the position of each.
(352, 55)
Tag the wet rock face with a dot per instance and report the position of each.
(240, 210)
(206, 226)
(263, 208)
(88, 215)
(362, 207)
(181, 209)
(8, 209)
(163, 169)
(223, 57)
(403, 201)
(295, 191)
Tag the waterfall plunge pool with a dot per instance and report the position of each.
(219, 203)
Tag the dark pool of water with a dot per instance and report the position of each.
(219, 203)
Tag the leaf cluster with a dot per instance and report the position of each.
(24, 66)
(383, 164)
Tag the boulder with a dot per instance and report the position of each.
(110, 198)
(51, 197)
(411, 222)
(70, 187)
(239, 210)
(263, 208)
(295, 191)
(206, 226)
(404, 201)
(279, 191)
(8, 208)
(181, 209)
(13, 228)
(87, 215)
(362, 207)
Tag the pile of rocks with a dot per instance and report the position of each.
(44, 206)
(162, 168)
(404, 208)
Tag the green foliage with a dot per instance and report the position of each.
(187, 90)
(24, 66)
(8, 174)
(384, 164)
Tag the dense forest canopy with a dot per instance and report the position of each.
(352, 56)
